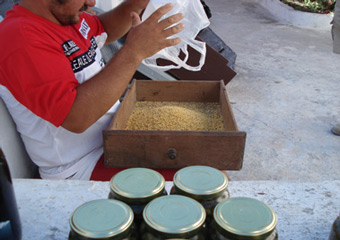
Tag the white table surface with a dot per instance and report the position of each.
(305, 211)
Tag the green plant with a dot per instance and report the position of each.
(315, 6)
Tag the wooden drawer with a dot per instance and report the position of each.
(174, 149)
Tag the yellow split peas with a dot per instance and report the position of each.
(176, 116)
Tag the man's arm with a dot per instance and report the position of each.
(97, 95)
(117, 21)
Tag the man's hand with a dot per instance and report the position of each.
(151, 36)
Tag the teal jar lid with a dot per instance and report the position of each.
(174, 215)
(100, 219)
(140, 184)
(200, 182)
(245, 217)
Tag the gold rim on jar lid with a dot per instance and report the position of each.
(245, 217)
(200, 181)
(140, 184)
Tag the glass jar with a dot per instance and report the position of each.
(243, 218)
(207, 185)
(173, 217)
(103, 219)
(335, 231)
(137, 187)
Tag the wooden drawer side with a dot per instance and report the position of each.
(177, 91)
(125, 109)
(226, 110)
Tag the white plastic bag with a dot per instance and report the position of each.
(195, 19)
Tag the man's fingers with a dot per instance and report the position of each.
(155, 16)
(172, 42)
(173, 30)
(154, 35)
(165, 23)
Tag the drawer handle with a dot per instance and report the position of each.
(172, 153)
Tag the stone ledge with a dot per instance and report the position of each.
(305, 210)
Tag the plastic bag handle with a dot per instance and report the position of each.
(152, 63)
(199, 47)
(195, 44)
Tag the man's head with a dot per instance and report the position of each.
(67, 12)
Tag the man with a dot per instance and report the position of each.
(53, 79)
(336, 46)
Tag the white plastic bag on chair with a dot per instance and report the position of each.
(195, 19)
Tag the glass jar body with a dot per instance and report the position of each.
(149, 234)
(137, 205)
(335, 231)
(217, 233)
(129, 234)
(209, 204)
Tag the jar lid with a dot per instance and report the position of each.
(174, 214)
(200, 181)
(137, 183)
(102, 218)
(245, 217)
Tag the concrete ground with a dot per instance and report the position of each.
(285, 95)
